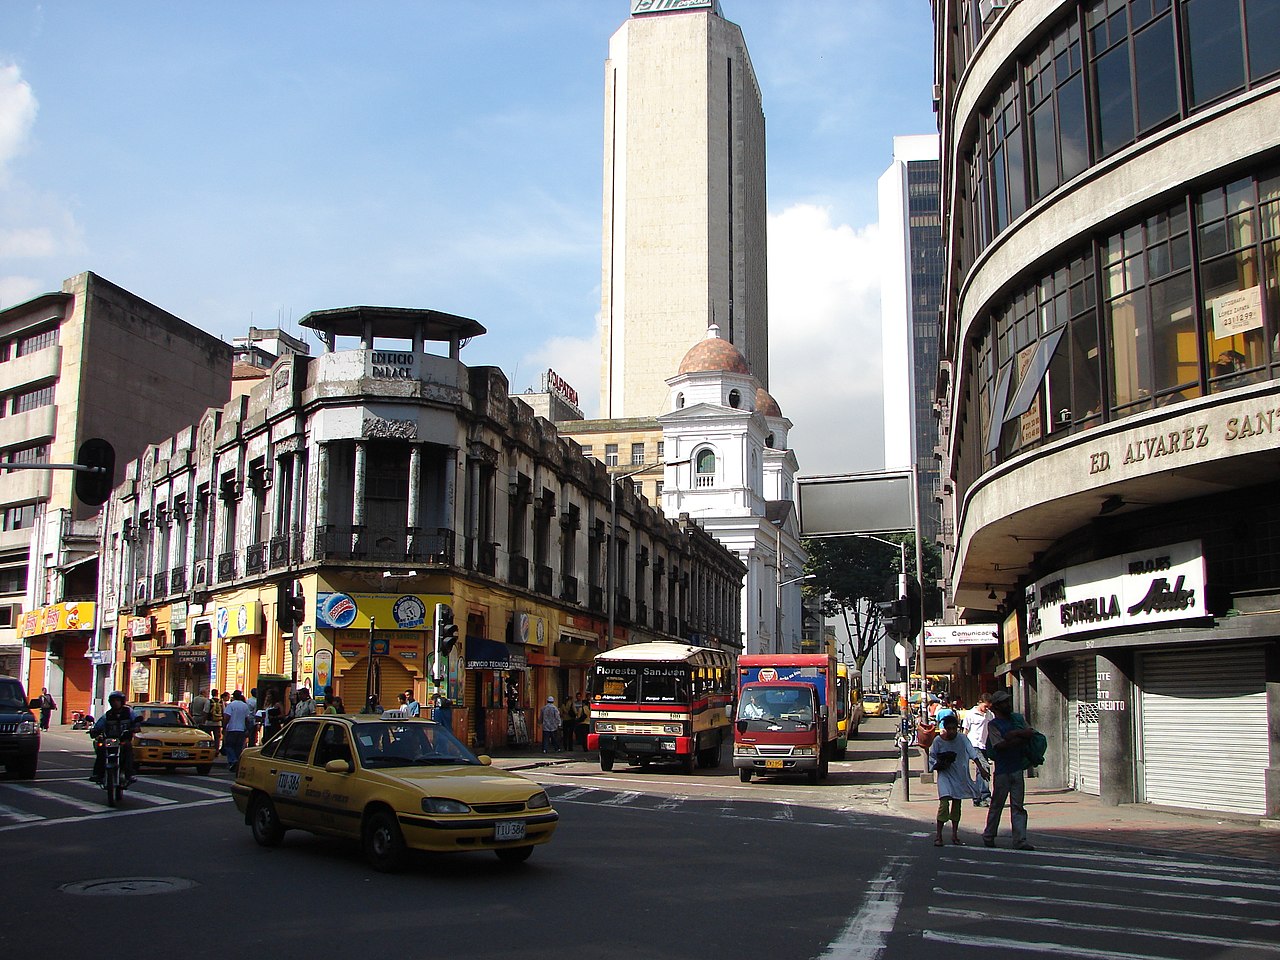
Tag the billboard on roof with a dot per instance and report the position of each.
(853, 503)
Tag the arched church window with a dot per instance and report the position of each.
(706, 468)
(735, 399)
(768, 441)
(679, 401)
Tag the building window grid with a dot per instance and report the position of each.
(637, 454)
(611, 454)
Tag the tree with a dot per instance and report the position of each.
(853, 574)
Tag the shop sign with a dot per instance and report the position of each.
(640, 7)
(143, 648)
(238, 620)
(1237, 312)
(528, 629)
(197, 656)
(57, 617)
(139, 626)
(102, 657)
(962, 635)
(323, 661)
(178, 615)
(351, 611)
(140, 678)
(1145, 588)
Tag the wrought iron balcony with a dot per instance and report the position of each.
(279, 554)
(518, 571)
(255, 558)
(543, 579)
(178, 580)
(226, 566)
(569, 590)
(388, 544)
(595, 596)
(159, 584)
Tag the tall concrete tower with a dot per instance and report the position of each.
(684, 200)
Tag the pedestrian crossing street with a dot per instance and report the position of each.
(69, 796)
(1096, 905)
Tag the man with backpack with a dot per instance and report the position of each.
(1008, 737)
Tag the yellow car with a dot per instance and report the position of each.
(395, 784)
(166, 737)
(872, 705)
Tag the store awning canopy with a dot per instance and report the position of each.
(484, 654)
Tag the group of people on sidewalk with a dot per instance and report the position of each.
(564, 727)
(235, 721)
(993, 745)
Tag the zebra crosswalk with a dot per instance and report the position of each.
(29, 803)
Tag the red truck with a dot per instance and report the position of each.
(785, 719)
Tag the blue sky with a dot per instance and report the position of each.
(245, 162)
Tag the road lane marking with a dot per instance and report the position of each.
(109, 813)
(1000, 946)
(13, 813)
(784, 811)
(672, 802)
(960, 895)
(129, 791)
(59, 798)
(574, 794)
(1200, 881)
(1181, 936)
(866, 934)
(1166, 894)
(620, 799)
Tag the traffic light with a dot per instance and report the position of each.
(93, 485)
(895, 618)
(291, 606)
(914, 613)
(446, 638)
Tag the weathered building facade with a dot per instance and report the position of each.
(379, 481)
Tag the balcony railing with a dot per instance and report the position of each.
(383, 544)
(159, 584)
(178, 580)
(543, 579)
(595, 597)
(621, 607)
(569, 590)
(279, 554)
(518, 571)
(255, 558)
(226, 566)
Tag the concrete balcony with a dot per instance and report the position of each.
(43, 365)
(38, 424)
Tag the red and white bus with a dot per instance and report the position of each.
(661, 701)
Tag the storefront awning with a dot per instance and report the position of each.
(483, 654)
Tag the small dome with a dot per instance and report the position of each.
(766, 405)
(713, 355)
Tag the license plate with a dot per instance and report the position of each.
(773, 764)
(508, 830)
(179, 755)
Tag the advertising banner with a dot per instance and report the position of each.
(76, 615)
(238, 620)
(962, 635)
(390, 611)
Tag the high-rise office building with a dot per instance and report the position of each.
(684, 200)
(910, 294)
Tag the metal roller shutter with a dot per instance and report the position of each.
(1204, 729)
(393, 680)
(1082, 726)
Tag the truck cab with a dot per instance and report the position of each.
(784, 722)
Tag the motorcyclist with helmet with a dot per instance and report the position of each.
(118, 722)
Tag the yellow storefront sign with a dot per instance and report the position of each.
(73, 615)
(389, 611)
(238, 620)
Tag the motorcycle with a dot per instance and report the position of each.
(80, 720)
(114, 778)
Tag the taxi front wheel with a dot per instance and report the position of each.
(514, 854)
(383, 842)
(265, 822)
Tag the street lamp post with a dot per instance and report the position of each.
(610, 557)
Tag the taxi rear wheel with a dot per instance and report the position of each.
(514, 854)
(265, 822)
(383, 842)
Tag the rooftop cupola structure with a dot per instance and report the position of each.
(369, 324)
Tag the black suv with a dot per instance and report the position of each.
(19, 732)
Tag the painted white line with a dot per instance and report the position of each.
(128, 792)
(21, 816)
(1147, 862)
(106, 813)
(784, 811)
(672, 802)
(1063, 885)
(193, 788)
(59, 798)
(574, 794)
(1196, 881)
(866, 934)
(942, 893)
(620, 799)
(1097, 928)
(999, 946)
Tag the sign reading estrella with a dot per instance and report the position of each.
(238, 620)
(342, 611)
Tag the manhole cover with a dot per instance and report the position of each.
(127, 886)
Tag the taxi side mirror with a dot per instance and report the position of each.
(337, 766)
(485, 760)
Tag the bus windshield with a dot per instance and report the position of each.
(641, 683)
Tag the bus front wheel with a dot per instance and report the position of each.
(606, 760)
(744, 774)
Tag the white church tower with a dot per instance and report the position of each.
(728, 467)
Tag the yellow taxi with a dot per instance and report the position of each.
(395, 784)
(872, 705)
(166, 737)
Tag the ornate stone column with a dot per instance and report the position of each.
(358, 493)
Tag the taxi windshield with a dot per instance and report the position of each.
(381, 744)
(161, 717)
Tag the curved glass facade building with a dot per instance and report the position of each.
(1109, 388)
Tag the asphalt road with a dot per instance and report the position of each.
(644, 865)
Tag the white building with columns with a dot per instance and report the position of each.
(728, 467)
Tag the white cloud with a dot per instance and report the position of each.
(17, 114)
(576, 360)
(15, 290)
(824, 339)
